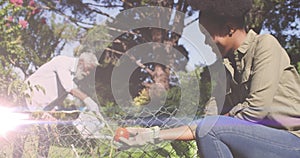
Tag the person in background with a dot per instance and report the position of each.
(262, 95)
(50, 85)
(56, 80)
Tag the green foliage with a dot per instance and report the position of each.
(112, 110)
(142, 99)
(26, 42)
(280, 18)
(30, 45)
(95, 40)
(184, 149)
(10, 34)
(11, 86)
(192, 93)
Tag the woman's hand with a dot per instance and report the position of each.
(136, 136)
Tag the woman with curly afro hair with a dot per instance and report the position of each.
(262, 114)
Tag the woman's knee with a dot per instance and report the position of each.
(212, 125)
(205, 126)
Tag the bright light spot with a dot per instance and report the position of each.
(10, 120)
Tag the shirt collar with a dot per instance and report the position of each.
(248, 41)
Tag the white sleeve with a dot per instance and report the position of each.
(63, 67)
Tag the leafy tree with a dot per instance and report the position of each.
(28, 39)
(280, 18)
(33, 31)
(12, 25)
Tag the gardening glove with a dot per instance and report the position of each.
(139, 136)
(88, 125)
(90, 120)
(91, 105)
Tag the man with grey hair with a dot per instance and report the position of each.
(56, 80)
(50, 85)
(86, 61)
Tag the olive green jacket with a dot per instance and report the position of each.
(262, 85)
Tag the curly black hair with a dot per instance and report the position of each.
(225, 8)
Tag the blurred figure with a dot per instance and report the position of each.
(50, 85)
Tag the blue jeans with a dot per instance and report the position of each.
(227, 137)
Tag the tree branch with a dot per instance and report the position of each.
(104, 6)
